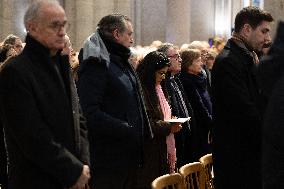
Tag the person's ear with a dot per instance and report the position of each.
(31, 27)
(116, 34)
(247, 29)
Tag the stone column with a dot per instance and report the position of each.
(178, 22)
(136, 14)
(123, 7)
(236, 7)
(83, 21)
(6, 15)
(70, 10)
(202, 20)
(12, 17)
(223, 18)
(153, 21)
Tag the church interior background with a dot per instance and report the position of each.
(174, 21)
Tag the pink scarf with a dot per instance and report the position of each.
(170, 140)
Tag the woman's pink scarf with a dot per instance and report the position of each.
(170, 140)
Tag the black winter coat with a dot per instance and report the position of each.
(237, 120)
(198, 96)
(3, 160)
(184, 138)
(271, 80)
(46, 147)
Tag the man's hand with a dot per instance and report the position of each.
(83, 179)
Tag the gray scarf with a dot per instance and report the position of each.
(95, 47)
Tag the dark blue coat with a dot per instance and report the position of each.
(116, 117)
(198, 96)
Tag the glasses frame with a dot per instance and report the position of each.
(175, 56)
(57, 26)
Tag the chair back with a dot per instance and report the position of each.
(168, 181)
(207, 163)
(194, 175)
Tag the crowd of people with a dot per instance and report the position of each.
(105, 116)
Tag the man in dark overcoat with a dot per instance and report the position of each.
(180, 106)
(46, 142)
(271, 81)
(112, 101)
(235, 95)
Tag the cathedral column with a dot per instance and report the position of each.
(178, 22)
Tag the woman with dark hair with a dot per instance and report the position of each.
(159, 152)
(194, 84)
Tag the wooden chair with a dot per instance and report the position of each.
(194, 175)
(168, 181)
(207, 163)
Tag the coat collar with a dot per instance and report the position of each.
(38, 53)
(116, 48)
(36, 48)
(232, 46)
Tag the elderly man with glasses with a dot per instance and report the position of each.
(180, 105)
(46, 139)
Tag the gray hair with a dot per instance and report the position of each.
(33, 10)
(112, 22)
(165, 47)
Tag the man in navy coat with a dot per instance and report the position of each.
(112, 101)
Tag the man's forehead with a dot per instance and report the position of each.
(51, 10)
(264, 25)
(172, 51)
(53, 16)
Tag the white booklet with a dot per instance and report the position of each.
(178, 120)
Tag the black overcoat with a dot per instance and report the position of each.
(184, 138)
(195, 88)
(237, 120)
(46, 146)
(271, 81)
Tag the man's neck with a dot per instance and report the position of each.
(173, 73)
(239, 37)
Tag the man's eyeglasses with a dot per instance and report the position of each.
(57, 26)
(175, 56)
